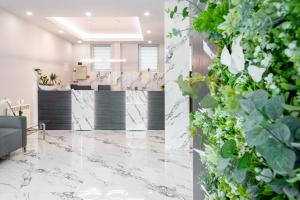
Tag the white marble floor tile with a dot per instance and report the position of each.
(97, 165)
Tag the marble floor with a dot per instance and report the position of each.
(102, 165)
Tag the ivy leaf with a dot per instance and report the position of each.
(193, 130)
(240, 175)
(244, 162)
(297, 135)
(273, 107)
(202, 1)
(208, 102)
(287, 86)
(175, 9)
(278, 198)
(290, 108)
(281, 132)
(277, 185)
(185, 12)
(279, 158)
(253, 120)
(186, 88)
(256, 136)
(259, 98)
(266, 175)
(295, 145)
(291, 192)
(292, 122)
(228, 149)
(172, 13)
(176, 32)
(247, 106)
(170, 35)
(222, 164)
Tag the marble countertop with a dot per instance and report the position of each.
(107, 90)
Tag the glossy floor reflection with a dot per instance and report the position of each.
(100, 165)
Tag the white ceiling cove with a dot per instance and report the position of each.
(111, 20)
(101, 28)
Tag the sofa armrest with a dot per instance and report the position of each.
(15, 122)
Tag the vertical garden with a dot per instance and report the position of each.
(250, 119)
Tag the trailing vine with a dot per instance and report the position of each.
(250, 119)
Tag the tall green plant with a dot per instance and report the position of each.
(250, 119)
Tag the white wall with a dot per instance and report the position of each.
(23, 47)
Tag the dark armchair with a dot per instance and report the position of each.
(12, 134)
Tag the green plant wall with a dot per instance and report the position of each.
(250, 119)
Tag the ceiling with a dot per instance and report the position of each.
(119, 19)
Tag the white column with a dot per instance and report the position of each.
(177, 62)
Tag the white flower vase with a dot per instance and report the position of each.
(48, 87)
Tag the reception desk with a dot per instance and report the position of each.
(102, 110)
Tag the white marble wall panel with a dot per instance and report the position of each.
(83, 108)
(177, 63)
(136, 110)
(129, 80)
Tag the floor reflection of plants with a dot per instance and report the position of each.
(250, 119)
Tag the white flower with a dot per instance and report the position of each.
(208, 50)
(277, 5)
(266, 61)
(281, 35)
(241, 79)
(269, 78)
(235, 61)
(293, 45)
(219, 132)
(289, 52)
(257, 50)
(256, 73)
(273, 87)
(277, 90)
(271, 46)
(286, 25)
(239, 123)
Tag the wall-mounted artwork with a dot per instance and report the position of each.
(81, 72)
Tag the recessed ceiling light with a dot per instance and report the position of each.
(148, 31)
(88, 14)
(79, 41)
(149, 42)
(29, 13)
(147, 13)
(61, 31)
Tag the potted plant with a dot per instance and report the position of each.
(47, 83)
(53, 78)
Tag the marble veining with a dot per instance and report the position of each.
(97, 165)
(83, 108)
(177, 63)
(136, 110)
(128, 80)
